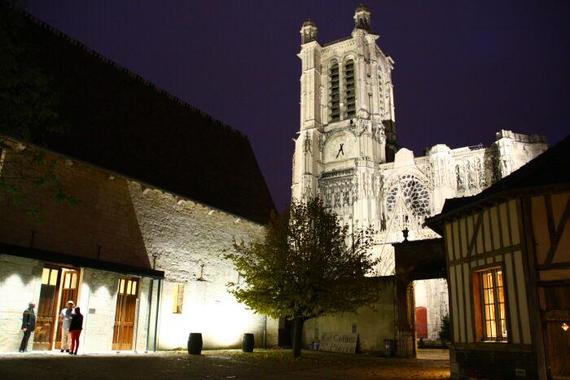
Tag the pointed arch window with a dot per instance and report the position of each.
(334, 91)
(349, 89)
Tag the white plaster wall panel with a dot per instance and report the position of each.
(522, 297)
(99, 295)
(20, 283)
(454, 307)
(142, 325)
(512, 299)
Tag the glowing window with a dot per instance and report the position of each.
(491, 313)
(133, 288)
(178, 299)
(49, 276)
(121, 286)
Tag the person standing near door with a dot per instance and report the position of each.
(65, 316)
(28, 325)
(75, 330)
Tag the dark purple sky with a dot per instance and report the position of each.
(464, 69)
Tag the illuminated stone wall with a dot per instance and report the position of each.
(187, 240)
(98, 298)
(118, 220)
(372, 325)
(20, 283)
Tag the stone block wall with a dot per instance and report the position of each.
(372, 324)
(188, 241)
(99, 224)
(20, 283)
(115, 219)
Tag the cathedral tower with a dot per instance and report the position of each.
(347, 115)
(345, 151)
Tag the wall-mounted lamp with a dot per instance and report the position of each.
(565, 326)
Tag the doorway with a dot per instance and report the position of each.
(59, 285)
(556, 327)
(125, 312)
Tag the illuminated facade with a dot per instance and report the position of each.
(146, 266)
(139, 242)
(346, 150)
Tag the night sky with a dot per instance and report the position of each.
(464, 69)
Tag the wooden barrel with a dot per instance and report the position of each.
(195, 343)
(248, 342)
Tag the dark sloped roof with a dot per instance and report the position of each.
(550, 169)
(118, 121)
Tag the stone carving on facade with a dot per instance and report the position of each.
(307, 143)
(339, 191)
(378, 133)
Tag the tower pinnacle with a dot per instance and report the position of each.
(362, 18)
(308, 32)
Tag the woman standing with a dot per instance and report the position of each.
(75, 330)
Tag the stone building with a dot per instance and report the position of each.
(346, 150)
(136, 204)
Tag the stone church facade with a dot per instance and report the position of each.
(346, 150)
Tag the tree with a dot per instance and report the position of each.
(27, 99)
(445, 330)
(29, 112)
(306, 266)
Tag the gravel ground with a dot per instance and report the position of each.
(227, 364)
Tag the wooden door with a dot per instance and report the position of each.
(47, 309)
(557, 339)
(125, 313)
(69, 289)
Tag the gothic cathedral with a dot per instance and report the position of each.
(346, 150)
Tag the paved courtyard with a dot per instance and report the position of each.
(226, 364)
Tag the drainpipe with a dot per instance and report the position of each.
(149, 314)
(159, 289)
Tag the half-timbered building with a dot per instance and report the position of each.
(508, 270)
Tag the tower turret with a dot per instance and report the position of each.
(362, 18)
(308, 32)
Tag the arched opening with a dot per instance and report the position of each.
(349, 89)
(334, 92)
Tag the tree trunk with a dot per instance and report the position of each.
(297, 336)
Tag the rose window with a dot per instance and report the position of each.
(412, 192)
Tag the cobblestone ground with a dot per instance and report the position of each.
(230, 364)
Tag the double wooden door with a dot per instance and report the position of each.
(125, 313)
(59, 285)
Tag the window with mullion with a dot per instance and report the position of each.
(493, 304)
